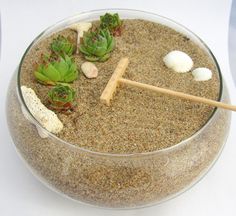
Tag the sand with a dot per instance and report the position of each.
(138, 120)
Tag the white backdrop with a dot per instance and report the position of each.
(23, 195)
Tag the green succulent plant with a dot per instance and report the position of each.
(111, 22)
(62, 46)
(61, 98)
(97, 45)
(62, 70)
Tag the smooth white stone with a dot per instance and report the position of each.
(202, 74)
(89, 69)
(178, 61)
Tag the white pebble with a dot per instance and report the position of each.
(47, 118)
(178, 61)
(89, 69)
(202, 74)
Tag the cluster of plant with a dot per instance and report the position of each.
(98, 44)
(59, 69)
(112, 22)
(62, 46)
(61, 98)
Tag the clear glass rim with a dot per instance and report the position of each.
(53, 136)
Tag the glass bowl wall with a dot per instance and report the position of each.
(115, 180)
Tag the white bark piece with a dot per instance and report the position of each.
(89, 69)
(202, 74)
(178, 61)
(47, 118)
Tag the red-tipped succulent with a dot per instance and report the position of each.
(111, 22)
(61, 98)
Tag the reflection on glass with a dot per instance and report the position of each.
(232, 40)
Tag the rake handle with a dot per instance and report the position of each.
(178, 94)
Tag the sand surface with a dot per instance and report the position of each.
(137, 120)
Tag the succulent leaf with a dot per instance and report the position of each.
(97, 44)
(62, 46)
(92, 58)
(111, 22)
(63, 70)
(41, 77)
(52, 73)
(61, 98)
(105, 57)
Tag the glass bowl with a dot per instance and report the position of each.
(115, 180)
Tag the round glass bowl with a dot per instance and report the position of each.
(116, 180)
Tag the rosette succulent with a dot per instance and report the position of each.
(97, 45)
(111, 22)
(61, 46)
(61, 98)
(62, 70)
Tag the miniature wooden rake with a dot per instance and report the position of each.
(116, 79)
